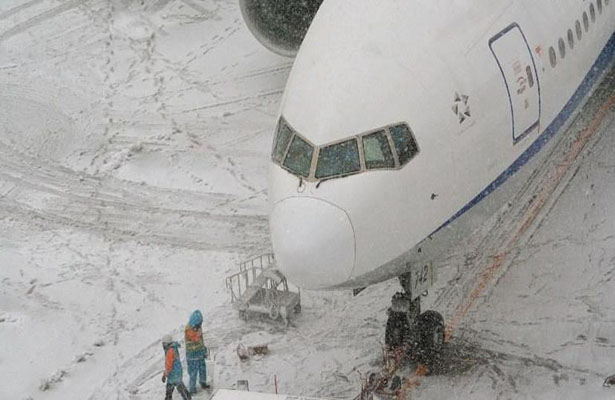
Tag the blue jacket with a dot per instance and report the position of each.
(195, 348)
(172, 364)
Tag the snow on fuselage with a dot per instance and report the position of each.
(482, 89)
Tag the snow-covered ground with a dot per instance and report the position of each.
(134, 143)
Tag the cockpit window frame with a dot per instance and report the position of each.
(387, 136)
(342, 174)
(282, 160)
(281, 123)
(294, 138)
(411, 141)
(311, 177)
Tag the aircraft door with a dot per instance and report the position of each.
(514, 57)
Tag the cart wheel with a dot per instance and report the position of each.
(274, 312)
(297, 309)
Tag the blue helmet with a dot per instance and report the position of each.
(196, 318)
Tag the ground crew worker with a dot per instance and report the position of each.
(173, 369)
(196, 352)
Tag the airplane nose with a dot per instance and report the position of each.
(313, 242)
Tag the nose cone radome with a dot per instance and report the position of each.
(313, 242)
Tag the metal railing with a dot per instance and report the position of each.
(263, 261)
(248, 271)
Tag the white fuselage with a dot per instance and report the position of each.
(476, 84)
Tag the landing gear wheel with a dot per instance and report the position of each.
(297, 309)
(243, 315)
(431, 328)
(397, 331)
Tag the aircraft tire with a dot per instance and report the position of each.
(397, 330)
(431, 328)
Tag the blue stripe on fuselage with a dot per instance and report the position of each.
(603, 60)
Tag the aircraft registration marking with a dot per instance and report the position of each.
(422, 277)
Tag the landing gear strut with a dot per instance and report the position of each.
(421, 334)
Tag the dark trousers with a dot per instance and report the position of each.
(181, 388)
(196, 367)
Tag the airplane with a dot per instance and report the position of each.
(405, 124)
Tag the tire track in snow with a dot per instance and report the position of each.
(19, 8)
(118, 208)
(40, 18)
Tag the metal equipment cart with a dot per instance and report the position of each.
(259, 287)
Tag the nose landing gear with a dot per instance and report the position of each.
(421, 334)
(410, 336)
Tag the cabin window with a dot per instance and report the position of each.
(570, 39)
(562, 48)
(577, 27)
(404, 142)
(585, 21)
(552, 57)
(299, 157)
(599, 5)
(281, 141)
(377, 152)
(338, 159)
(592, 12)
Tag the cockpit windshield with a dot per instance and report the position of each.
(390, 147)
(377, 151)
(338, 159)
(404, 143)
(299, 157)
(281, 141)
